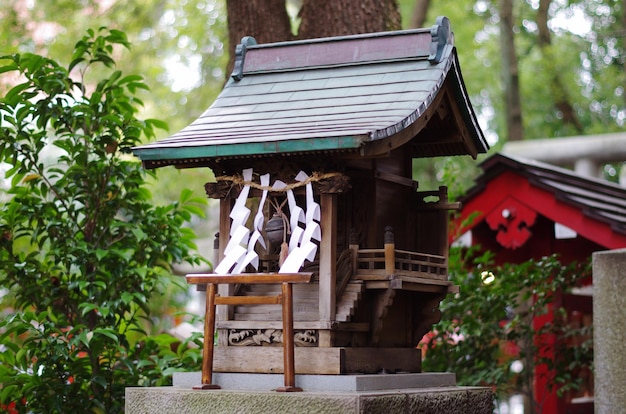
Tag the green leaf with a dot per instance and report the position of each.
(85, 337)
(168, 372)
(15, 91)
(82, 236)
(185, 195)
(195, 210)
(7, 393)
(130, 79)
(87, 307)
(139, 234)
(8, 68)
(127, 297)
(109, 333)
(156, 123)
(100, 380)
(144, 363)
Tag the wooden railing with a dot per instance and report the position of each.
(388, 261)
(382, 262)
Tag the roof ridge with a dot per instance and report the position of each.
(427, 44)
(540, 165)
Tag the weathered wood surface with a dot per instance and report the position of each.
(329, 360)
(285, 298)
(306, 298)
(248, 278)
(373, 263)
(328, 257)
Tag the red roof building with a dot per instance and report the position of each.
(522, 210)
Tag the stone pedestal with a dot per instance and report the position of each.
(609, 336)
(251, 393)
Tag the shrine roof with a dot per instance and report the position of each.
(362, 94)
(584, 204)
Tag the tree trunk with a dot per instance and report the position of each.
(322, 18)
(268, 21)
(559, 92)
(265, 20)
(420, 10)
(510, 73)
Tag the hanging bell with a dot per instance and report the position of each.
(275, 230)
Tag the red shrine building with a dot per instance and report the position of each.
(521, 210)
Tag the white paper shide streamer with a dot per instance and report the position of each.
(303, 248)
(305, 229)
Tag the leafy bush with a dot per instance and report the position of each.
(491, 324)
(82, 249)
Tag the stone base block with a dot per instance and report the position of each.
(433, 400)
(319, 383)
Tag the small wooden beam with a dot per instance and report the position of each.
(249, 278)
(397, 179)
(248, 300)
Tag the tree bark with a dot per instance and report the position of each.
(510, 73)
(559, 92)
(265, 20)
(268, 21)
(322, 18)
(420, 10)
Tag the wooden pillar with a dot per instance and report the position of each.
(444, 214)
(225, 207)
(390, 252)
(207, 348)
(224, 312)
(354, 246)
(288, 342)
(328, 259)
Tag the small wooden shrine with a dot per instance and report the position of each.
(312, 145)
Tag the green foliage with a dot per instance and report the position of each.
(82, 248)
(491, 323)
(178, 47)
(174, 44)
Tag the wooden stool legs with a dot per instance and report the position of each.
(209, 335)
(288, 345)
(285, 299)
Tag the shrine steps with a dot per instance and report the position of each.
(305, 303)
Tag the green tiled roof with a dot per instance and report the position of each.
(340, 94)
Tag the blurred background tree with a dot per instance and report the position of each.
(557, 70)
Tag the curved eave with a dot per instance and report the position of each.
(317, 97)
(189, 156)
(468, 138)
